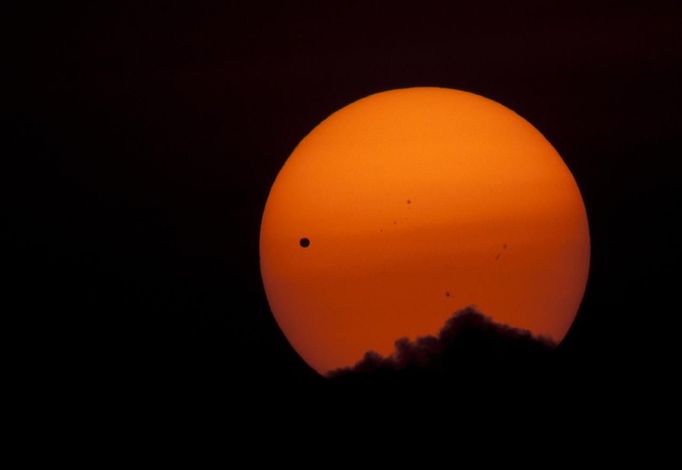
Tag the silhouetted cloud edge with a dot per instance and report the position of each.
(468, 340)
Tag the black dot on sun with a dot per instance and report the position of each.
(304, 242)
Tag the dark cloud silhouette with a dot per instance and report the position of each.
(469, 345)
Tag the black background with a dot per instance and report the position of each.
(141, 139)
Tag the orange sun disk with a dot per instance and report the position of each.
(408, 205)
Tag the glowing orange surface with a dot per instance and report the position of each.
(418, 202)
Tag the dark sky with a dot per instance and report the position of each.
(140, 141)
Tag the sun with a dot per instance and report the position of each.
(407, 205)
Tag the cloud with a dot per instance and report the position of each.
(469, 344)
